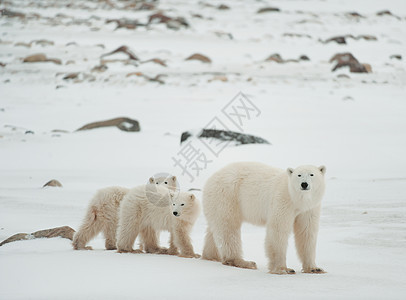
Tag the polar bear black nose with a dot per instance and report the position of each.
(175, 213)
(304, 185)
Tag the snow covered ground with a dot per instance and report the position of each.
(355, 124)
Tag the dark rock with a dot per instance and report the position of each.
(396, 56)
(299, 35)
(124, 124)
(224, 34)
(59, 131)
(2, 64)
(171, 23)
(197, 16)
(348, 60)
(199, 57)
(223, 7)
(125, 50)
(125, 23)
(337, 39)
(268, 9)
(342, 57)
(146, 6)
(16, 237)
(365, 37)
(41, 58)
(53, 182)
(387, 13)
(185, 135)
(158, 18)
(42, 43)
(157, 78)
(21, 44)
(276, 58)
(11, 14)
(63, 232)
(70, 76)
(29, 132)
(177, 23)
(156, 61)
(237, 137)
(355, 67)
(99, 68)
(342, 39)
(354, 14)
(384, 13)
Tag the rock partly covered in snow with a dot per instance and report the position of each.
(123, 123)
(348, 60)
(227, 136)
(40, 57)
(65, 232)
(53, 182)
(278, 58)
(199, 57)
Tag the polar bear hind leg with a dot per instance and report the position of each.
(210, 251)
(228, 242)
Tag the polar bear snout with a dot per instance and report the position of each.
(305, 186)
(176, 214)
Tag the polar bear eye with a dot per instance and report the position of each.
(173, 204)
(299, 175)
(182, 204)
(311, 174)
(166, 182)
(156, 183)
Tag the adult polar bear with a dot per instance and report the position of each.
(281, 200)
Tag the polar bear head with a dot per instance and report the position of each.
(169, 181)
(306, 179)
(185, 205)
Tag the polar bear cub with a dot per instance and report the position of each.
(102, 216)
(158, 210)
(281, 200)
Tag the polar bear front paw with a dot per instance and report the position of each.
(157, 250)
(111, 248)
(194, 255)
(282, 271)
(240, 263)
(136, 251)
(314, 271)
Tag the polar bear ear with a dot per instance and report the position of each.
(174, 178)
(289, 171)
(322, 169)
(192, 197)
(151, 180)
(172, 194)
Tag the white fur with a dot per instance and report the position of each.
(102, 216)
(138, 212)
(266, 196)
(170, 181)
